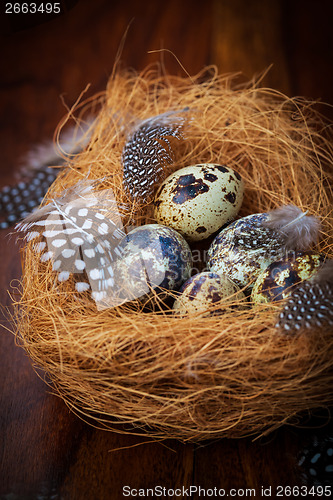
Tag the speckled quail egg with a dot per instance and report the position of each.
(198, 200)
(152, 257)
(244, 248)
(278, 280)
(204, 290)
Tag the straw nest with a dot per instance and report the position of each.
(135, 369)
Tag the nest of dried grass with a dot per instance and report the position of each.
(190, 378)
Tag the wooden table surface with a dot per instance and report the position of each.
(46, 452)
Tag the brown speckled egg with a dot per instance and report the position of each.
(198, 200)
(278, 280)
(152, 257)
(243, 249)
(203, 290)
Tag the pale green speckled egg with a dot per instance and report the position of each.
(278, 280)
(199, 199)
(204, 290)
(244, 249)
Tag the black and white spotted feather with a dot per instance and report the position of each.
(19, 200)
(310, 304)
(149, 150)
(36, 176)
(315, 461)
(79, 232)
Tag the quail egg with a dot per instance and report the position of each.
(243, 249)
(153, 257)
(278, 280)
(198, 200)
(203, 290)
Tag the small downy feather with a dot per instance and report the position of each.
(310, 304)
(79, 232)
(148, 150)
(72, 140)
(35, 176)
(298, 230)
(324, 274)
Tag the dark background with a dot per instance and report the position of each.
(46, 61)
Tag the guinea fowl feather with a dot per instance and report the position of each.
(298, 230)
(310, 304)
(35, 176)
(148, 150)
(79, 232)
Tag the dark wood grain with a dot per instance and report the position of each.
(45, 450)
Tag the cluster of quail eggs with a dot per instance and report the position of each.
(194, 204)
(190, 205)
(197, 201)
